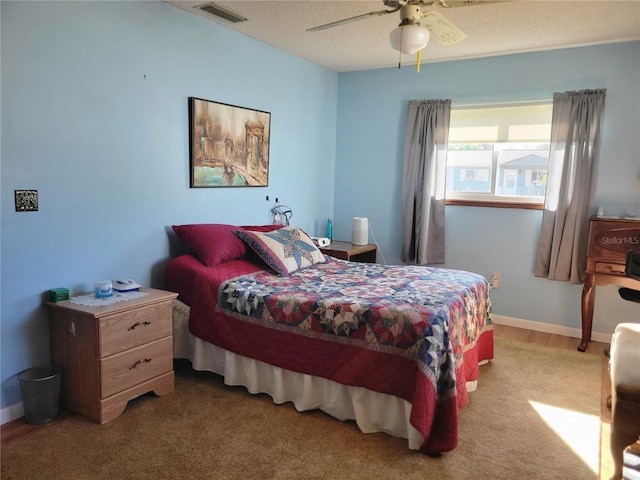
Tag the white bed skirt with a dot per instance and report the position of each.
(372, 411)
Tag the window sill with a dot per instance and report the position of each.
(490, 204)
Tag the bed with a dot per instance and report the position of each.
(395, 348)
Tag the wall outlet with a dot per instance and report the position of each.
(495, 280)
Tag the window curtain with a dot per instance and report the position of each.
(423, 183)
(576, 127)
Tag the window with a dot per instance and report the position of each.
(499, 153)
(474, 174)
(536, 177)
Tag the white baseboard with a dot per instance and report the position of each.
(549, 328)
(11, 413)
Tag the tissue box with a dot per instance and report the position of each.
(58, 294)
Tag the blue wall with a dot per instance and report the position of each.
(94, 117)
(372, 108)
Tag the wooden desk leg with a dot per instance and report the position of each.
(588, 298)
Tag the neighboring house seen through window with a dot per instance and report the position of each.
(499, 154)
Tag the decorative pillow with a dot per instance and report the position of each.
(211, 243)
(285, 250)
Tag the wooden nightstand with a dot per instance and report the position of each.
(113, 353)
(353, 253)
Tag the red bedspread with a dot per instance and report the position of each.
(413, 332)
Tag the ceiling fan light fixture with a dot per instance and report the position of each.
(408, 39)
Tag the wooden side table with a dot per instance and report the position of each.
(609, 242)
(111, 354)
(351, 252)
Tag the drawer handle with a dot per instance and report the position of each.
(144, 324)
(139, 362)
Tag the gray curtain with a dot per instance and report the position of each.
(573, 160)
(423, 183)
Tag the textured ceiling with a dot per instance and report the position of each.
(492, 28)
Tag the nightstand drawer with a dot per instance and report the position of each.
(609, 268)
(134, 327)
(135, 366)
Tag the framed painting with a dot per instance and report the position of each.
(228, 145)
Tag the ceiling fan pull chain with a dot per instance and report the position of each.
(418, 61)
(400, 51)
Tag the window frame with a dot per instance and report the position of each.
(482, 199)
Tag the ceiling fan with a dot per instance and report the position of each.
(416, 26)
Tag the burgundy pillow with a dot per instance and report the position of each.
(263, 228)
(211, 243)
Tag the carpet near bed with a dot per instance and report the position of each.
(206, 429)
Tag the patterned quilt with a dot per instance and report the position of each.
(414, 332)
(427, 315)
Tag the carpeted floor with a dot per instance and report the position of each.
(535, 415)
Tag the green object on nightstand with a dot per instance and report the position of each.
(58, 294)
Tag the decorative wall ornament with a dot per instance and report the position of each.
(229, 145)
(26, 200)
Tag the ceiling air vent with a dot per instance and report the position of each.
(224, 13)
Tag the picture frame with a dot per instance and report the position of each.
(228, 145)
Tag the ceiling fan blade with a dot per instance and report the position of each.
(351, 19)
(467, 3)
(442, 29)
